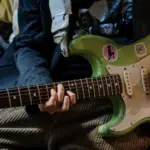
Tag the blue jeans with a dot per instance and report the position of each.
(31, 58)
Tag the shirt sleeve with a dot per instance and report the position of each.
(29, 44)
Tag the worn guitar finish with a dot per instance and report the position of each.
(132, 63)
(119, 72)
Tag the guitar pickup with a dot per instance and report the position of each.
(128, 84)
(145, 80)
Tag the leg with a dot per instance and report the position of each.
(17, 128)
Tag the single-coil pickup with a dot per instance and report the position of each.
(145, 81)
(128, 84)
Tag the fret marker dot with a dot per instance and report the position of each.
(116, 84)
(108, 85)
(34, 94)
(100, 86)
(14, 97)
(91, 87)
(72, 84)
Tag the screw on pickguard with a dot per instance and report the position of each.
(145, 80)
(128, 84)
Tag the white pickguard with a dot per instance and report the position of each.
(138, 106)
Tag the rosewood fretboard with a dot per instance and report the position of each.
(88, 88)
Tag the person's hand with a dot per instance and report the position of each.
(58, 102)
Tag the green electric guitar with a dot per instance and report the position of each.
(119, 72)
(132, 64)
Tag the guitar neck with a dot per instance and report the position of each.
(88, 88)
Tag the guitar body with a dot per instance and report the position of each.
(107, 57)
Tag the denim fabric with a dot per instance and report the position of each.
(23, 63)
(29, 45)
(8, 71)
(31, 58)
(30, 55)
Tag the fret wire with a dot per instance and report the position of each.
(31, 86)
(96, 78)
(82, 89)
(44, 91)
(88, 87)
(41, 89)
(76, 83)
(107, 88)
(82, 82)
(69, 86)
(118, 84)
(115, 85)
(47, 91)
(33, 90)
(42, 98)
(111, 84)
(30, 95)
(113, 89)
(93, 87)
(98, 87)
(20, 97)
(9, 97)
(107, 85)
(36, 101)
(102, 86)
(45, 96)
(54, 86)
(76, 89)
(64, 82)
(117, 81)
(39, 94)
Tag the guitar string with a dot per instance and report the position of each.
(80, 89)
(43, 99)
(50, 86)
(45, 92)
(27, 101)
(65, 83)
(42, 94)
(73, 81)
(36, 100)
